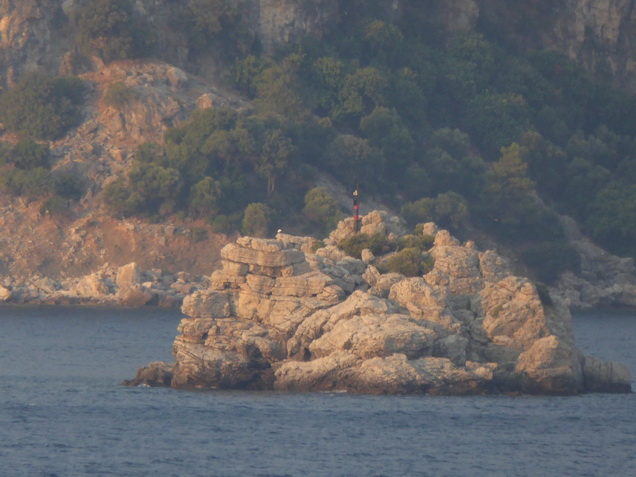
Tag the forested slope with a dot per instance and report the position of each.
(473, 128)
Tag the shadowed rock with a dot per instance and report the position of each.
(156, 373)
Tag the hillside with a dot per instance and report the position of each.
(154, 131)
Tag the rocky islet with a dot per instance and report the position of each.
(278, 317)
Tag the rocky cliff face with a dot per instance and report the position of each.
(597, 33)
(280, 21)
(279, 317)
(39, 34)
(30, 38)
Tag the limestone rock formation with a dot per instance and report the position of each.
(278, 22)
(595, 33)
(128, 285)
(40, 34)
(278, 317)
(376, 222)
(5, 293)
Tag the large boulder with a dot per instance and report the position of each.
(91, 286)
(129, 275)
(551, 365)
(5, 294)
(154, 374)
(603, 376)
(135, 296)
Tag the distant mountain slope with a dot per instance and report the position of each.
(164, 60)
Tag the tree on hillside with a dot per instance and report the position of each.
(451, 164)
(509, 174)
(466, 69)
(326, 77)
(41, 106)
(382, 41)
(213, 23)
(362, 91)
(257, 220)
(447, 210)
(277, 90)
(507, 194)
(159, 188)
(612, 218)
(496, 120)
(107, 28)
(322, 209)
(28, 154)
(355, 160)
(274, 157)
(205, 197)
(386, 131)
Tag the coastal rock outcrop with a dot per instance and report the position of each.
(127, 285)
(279, 317)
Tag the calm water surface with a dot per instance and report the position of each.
(63, 413)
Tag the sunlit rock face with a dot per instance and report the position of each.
(277, 317)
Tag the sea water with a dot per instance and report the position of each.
(64, 413)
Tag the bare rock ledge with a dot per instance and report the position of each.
(277, 317)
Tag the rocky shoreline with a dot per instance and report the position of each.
(278, 316)
(110, 286)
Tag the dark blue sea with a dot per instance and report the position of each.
(64, 413)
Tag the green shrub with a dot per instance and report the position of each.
(447, 210)
(421, 242)
(68, 186)
(56, 205)
(28, 154)
(121, 200)
(246, 72)
(31, 184)
(205, 197)
(43, 107)
(322, 209)
(107, 28)
(118, 95)
(409, 262)
(317, 244)
(198, 234)
(549, 260)
(379, 244)
(257, 220)
(159, 188)
(226, 224)
(350, 156)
